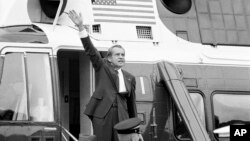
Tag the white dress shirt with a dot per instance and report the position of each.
(83, 33)
(122, 87)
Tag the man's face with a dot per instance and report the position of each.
(118, 57)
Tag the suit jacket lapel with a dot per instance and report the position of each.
(113, 76)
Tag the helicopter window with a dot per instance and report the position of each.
(50, 7)
(13, 94)
(177, 6)
(40, 87)
(231, 108)
(23, 34)
(181, 131)
(25, 88)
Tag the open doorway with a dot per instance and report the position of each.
(75, 74)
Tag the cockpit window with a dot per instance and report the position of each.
(199, 105)
(231, 109)
(23, 34)
(40, 87)
(181, 131)
(13, 94)
(26, 88)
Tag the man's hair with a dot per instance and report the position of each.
(109, 53)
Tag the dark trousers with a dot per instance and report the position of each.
(104, 128)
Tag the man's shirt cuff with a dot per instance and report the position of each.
(83, 34)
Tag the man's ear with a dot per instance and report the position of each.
(109, 58)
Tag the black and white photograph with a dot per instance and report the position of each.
(124, 70)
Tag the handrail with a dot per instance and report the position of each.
(72, 136)
(64, 137)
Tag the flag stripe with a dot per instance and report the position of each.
(125, 16)
(133, 2)
(122, 13)
(122, 7)
(124, 21)
(134, 5)
(123, 10)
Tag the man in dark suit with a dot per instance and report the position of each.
(114, 96)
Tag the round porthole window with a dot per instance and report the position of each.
(177, 6)
(50, 7)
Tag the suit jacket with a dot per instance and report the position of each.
(107, 88)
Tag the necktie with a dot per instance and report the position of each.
(122, 87)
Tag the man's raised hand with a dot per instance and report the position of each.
(76, 19)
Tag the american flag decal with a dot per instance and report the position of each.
(124, 11)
